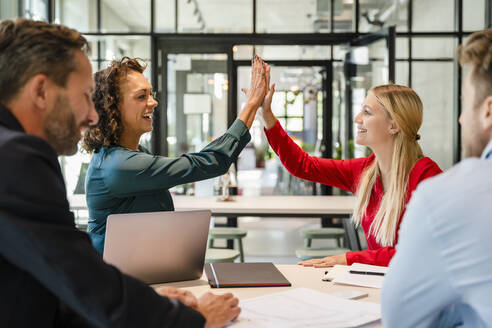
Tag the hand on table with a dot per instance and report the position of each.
(218, 310)
(184, 296)
(325, 262)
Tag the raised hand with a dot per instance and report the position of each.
(266, 105)
(258, 86)
(256, 92)
(267, 101)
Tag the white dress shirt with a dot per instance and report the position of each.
(441, 275)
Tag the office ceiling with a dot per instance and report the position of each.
(216, 16)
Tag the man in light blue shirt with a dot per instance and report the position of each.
(441, 275)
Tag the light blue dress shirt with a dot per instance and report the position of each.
(441, 275)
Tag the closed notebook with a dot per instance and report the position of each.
(262, 274)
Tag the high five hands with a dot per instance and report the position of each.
(260, 92)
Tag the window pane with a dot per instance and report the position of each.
(343, 16)
(115, 47)
(125, 16)
(295, 103)
(294, 52)
(433, 47)
(164, 16)
(242, 52)
(35, 9)
(401, 73)
(278, 103)
(294, 16)
(9, 9)
(435, 15)
(74, 169)
(382, 13)
(197, 100)
(401, 48)
(215, 16)
(339, 52)
(294, 124)
(372, 64)
(474, 15)
(78, 14)
(438, 101)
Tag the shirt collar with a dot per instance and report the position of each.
(487, 153)
(9, 120)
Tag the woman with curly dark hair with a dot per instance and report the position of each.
(124, 177)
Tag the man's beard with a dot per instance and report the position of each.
(61, 129)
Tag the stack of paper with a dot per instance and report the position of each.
(302, 307)
(335, 271)
(364, 280)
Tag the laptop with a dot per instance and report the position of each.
(158, 247)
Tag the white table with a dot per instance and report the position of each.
(278, 206)
(298, 206)
(298, 276)
(285, 206)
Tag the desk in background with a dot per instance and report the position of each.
(323, 207)
(299, 277)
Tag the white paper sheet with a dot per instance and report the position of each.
(347, 278)
(335, 271)
(303, 307)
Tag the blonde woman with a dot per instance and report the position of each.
(388, 124)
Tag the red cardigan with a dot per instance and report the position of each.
(345, 174)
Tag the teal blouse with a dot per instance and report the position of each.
(120, 180)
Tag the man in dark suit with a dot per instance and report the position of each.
(49, 273)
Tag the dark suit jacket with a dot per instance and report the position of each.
(50, 275)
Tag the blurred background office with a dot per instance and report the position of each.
(325, 55)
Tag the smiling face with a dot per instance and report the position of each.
(137, 104)
(374, 125)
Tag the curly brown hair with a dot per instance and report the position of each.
(107, 97)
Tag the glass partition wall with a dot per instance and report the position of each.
(286, 30)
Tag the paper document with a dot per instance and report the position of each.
(363, 280)
(303, 307)
(335, 271)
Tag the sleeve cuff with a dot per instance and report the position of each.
(192, 318)
(239, 130)
(277, 127)
(351, 257)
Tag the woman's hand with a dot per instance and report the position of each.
(184, 296)
(258, 86)
(256, 92)
(266, 105)
(325, 262)
(267, 101)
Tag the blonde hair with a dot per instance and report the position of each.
(403, 106)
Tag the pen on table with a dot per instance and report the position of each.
(367, 272)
